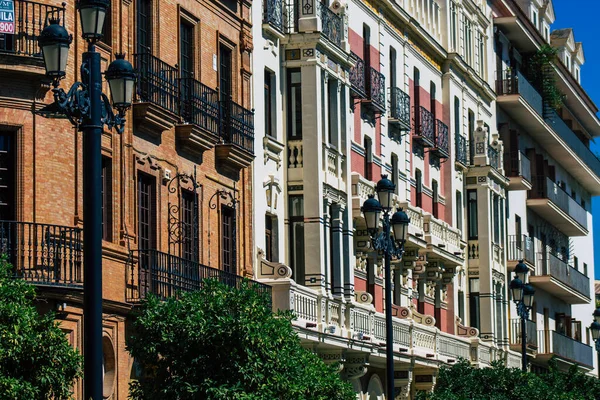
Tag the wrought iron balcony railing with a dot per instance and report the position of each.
(357, 78)
(199, 105)
(460, 148)
(493, 156)
(399, 108)
(158, 82)
(30, 19)
(516, 83)
(376, 89)
(441, 148)
(273, 14)
(545, 188)
(331, 24)
(43, 254)
(237, 125)
(424, 127)
(165, 275)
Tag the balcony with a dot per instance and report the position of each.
(236, 135)
(157, 99)
(551, 202)
(375, 89)
(556, 277)
(21, 48)
(199, 107)
(273, 16)
(460, 148)
(43, 254)
(531, 336)
(566, 349)
(524, 104)
(518, 169)
(424, 128)
(332, 25)
(320, 317)
(514, 88)
(493, 157)
(165, 276)
(441, 148)
(520, 248)
(443, 242)
(399, 115)
(357, 78)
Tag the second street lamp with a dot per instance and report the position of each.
(89, 109)
(390, 241)
(522, 294)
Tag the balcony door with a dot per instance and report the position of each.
(225, 83)
(143, 26)
(228, 254)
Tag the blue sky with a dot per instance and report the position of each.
(582, 16)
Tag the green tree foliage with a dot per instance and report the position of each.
(464, 382)
(225, 343)
(540, 70)
(36, 360)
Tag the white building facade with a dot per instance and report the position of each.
(346, 92)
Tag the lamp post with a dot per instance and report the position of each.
(390, 241)
(522, 294)
(89, 109)
(595, 328)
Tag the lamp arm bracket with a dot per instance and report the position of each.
(109, 118)
(75, 103)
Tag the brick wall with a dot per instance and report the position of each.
(49, 176)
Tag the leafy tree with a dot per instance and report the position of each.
(464, 382)
(36, 360)
(225, 343)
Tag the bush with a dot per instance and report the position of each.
(225, 343)
(36, 360)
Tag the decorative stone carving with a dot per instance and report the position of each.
(271, 270)
(355, 366)
(465, 331)
(364, 297)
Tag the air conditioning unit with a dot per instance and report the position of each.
(336, 6)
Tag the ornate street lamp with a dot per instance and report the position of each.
(390, 241)
(595, 328)
(522, 294)
(89, 109)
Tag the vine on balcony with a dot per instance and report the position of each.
(540, 72)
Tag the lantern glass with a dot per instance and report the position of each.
(372, 219)
(92, 21)
(595, 328)
(516, 289)
(55, 58)
(385, 189)
(400, 222)
(121, 91)
(528, 293)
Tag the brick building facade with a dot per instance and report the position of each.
(187, 145)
